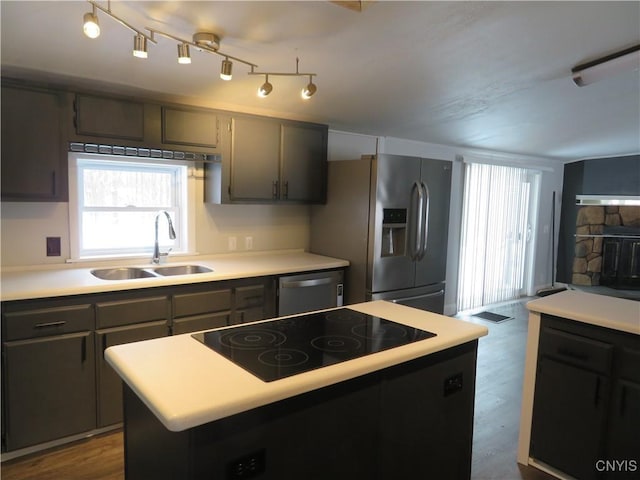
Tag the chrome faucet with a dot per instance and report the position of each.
(172, 236)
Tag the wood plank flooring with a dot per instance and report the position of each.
(497, 412)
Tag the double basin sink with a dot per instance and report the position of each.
(128, 273)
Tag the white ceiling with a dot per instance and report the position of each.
(487, 75)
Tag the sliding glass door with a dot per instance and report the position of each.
(496, 229)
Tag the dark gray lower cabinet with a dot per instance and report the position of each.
(49, 388)
(570, 409)
(109, 383)
(413, 420)
(586, 408)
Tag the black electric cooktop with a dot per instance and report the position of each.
(281, 348)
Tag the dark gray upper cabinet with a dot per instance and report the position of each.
(304, 153)
(276, 160)
(34, 161)
(190, 126)
(109, 117)
(255, 159)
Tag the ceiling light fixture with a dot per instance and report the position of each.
(140, 46)
(184, 56)
(307, 92)
(266, 88)
(203, 42)
(225, 71)
(608, 66)
(91, 27)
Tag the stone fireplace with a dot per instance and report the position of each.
(598, 228)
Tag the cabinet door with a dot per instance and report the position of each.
(570, 408)
(193, 127)
(109, 383)
(624, 422)
(33, 147)
(109, 117)
(255, 159)
(49, 388)
(304, 163)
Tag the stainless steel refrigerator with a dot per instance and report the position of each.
(389, 216)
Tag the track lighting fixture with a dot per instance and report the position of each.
(184, 56)
(202, 41)
(91, 27)
(225, 71)
(309, 90)
(140, 46)
(609, 66)
(265, 88)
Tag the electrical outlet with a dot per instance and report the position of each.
(53, 247)
(248, 243)
(233, 244)
(248, 466)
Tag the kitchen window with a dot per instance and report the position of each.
(114, 202)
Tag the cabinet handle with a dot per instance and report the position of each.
(50, 324)
(53, 183)
(274, 189)
(83, 350)
(623, 400)
(285, 193)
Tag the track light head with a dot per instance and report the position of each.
(91, 26)
(225, 72)
(140, 46)
(309, 90)
(184, 56)
(266, 88)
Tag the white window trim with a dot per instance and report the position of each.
(74, 224)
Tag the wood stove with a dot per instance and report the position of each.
(621, 257)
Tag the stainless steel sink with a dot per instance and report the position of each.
(122, 273)
(181, 270)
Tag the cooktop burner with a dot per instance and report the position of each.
(281, 348)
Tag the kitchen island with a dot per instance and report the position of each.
(581, 394)
(190, 412)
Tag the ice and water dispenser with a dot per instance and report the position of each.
(394, 232)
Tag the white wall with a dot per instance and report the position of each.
(25, 226)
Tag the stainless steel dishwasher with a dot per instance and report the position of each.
(310, 291)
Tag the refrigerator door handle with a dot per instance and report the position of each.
(417, 220)
(424, 221)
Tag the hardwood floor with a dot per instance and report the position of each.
(497, 415)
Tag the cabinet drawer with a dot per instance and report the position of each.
(576, 350)
(113, 314)
(201, 302)
(251, 296)
(47, 322)
(200, 322)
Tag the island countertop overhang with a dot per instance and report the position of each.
(186, 384)
(600, 310)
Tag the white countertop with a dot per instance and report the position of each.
(186, 384)
(54, 282)
(610, 312)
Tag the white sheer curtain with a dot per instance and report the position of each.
(495, 227)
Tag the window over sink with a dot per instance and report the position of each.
(114, 202)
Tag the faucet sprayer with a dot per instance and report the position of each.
(172, 236)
